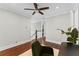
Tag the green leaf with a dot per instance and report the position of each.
(69, 29)
(68, 33)
(74, 33)
(62, 32)
(74, 41)
(69, 39)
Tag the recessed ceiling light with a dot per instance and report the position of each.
(57, 7)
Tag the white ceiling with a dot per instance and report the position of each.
(54, 8)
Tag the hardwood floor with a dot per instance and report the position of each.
(17, 50)
(25, 49)
(14, 51)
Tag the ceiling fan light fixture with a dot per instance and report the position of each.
(36, 9)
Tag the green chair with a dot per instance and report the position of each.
(46, 51)
(38, 50)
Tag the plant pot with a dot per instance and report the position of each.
(69, 44)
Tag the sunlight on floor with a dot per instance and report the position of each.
(56, 51)
(27, 53)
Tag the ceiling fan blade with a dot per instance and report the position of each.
(28, 9)
(33, 13)
(35, 5)
(41, 12)
(44, 8)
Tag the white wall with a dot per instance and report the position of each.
(13, 28)
(57, 22)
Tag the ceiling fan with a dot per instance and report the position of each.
(37, 9)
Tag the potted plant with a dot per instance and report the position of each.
(72, 34)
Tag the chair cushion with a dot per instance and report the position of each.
(46, 51)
